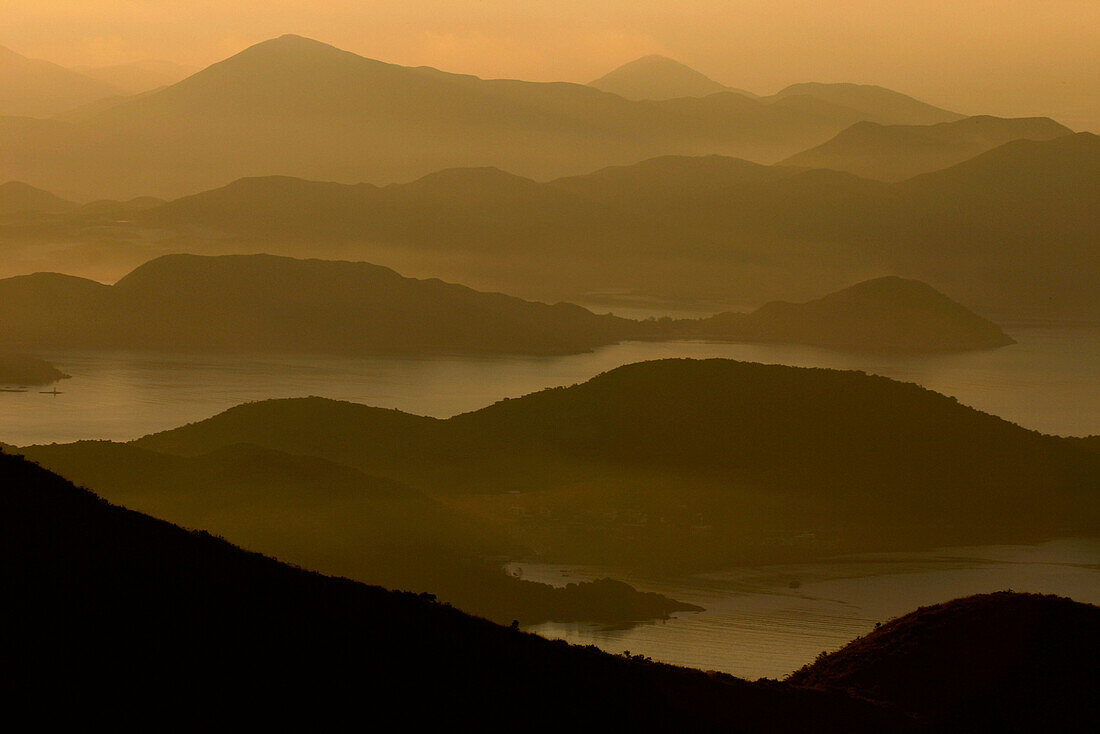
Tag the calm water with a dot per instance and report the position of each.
(1050, 381)
(756, 625)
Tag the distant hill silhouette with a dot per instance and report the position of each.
(898, 152)
(185, 622)
(659, 77)
(18, 198)
(294, 106)
(995, 662)
(137, 76)
(19, 369)
(37, 88)
(885, 314)
(334, 519)
(683, 463)
(877, 103)
(262, 303)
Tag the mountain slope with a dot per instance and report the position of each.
(36, 88)
(174, 617)
(17, 198)
(1012, 662)
(333, 519)
(659, 77)
(898, 152)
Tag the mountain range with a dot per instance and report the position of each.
(656, 77)
(297, 107)
(1009, 232)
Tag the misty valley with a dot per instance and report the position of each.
(331, 385)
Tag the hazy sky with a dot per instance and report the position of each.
(1009, 57)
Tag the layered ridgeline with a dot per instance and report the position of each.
(293, 106)
(659, 77)
(19, 369)
(175, 617)
(1030, 664)
(135, 77)
(262, 303)
(33, 87)
(1010, 232)
(898, 152)
(331, 518)
(684, 464)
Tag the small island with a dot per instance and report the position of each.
(19, 369)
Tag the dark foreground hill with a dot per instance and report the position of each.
(101, 600)
(263, 303)
(336, 520)
(684, 464)
(997, 662)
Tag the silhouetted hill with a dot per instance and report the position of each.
(17, 198)
(266, 303)
(683, 463)
(293, 106)
(36, 88)
(996, 662)
(187, 623)
(898, 152)
(885, 314)
(262, 303)
(19, 369)
(336, 520)
(877, 103)
(659, 77)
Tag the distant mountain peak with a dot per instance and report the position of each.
(658, 77)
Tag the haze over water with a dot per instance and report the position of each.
(1045, 382)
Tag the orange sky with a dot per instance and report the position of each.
(1008, 57)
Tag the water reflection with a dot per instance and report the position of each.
(756, 625)
(1048, 382)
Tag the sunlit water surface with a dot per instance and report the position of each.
(1049, 381)
(768, 621)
